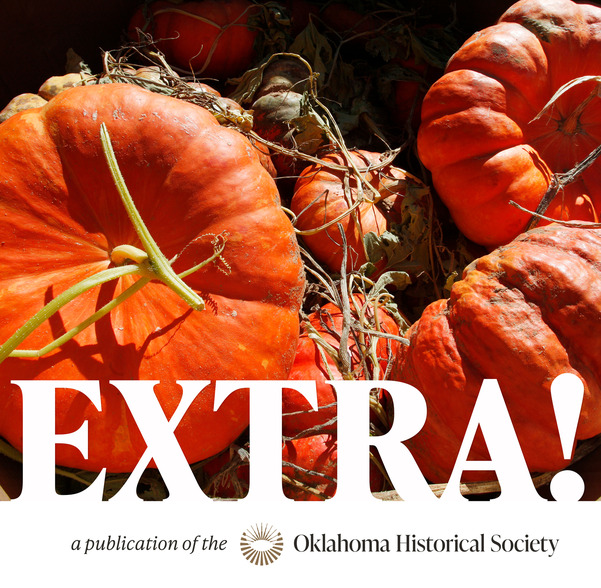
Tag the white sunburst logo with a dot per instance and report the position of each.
(261, 544)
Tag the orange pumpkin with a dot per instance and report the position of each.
(479, 135)
(522, 315)
(192, 181)
(322, 199)
(206, 37)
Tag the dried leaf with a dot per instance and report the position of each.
(381, 46)
(344, 84)
(434, 48)
(451, 279)
(399, 280)
(248, 84)
(315, 48)
(389, 247)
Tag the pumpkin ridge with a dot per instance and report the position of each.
(507, 363)
(488, 199)
(424, 374)
(147, 131)
(552, 236)
(507, 53)
(580, 356)
(530, 72)
(48, 211)
(75, 191)
(575, 354)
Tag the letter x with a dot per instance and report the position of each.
(158, 433)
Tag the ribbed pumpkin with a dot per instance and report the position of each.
(479, 136)
(62, 221)
(523, 314)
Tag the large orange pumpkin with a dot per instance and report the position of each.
(192, 180)
(524, 314)
(479, 136)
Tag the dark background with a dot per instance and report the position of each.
(36, 34)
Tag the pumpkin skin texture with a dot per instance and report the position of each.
(298, 417)
(319, 198)
(191, 179)
(209, 37)
(478, 135)
(523, 314)
(315, 455)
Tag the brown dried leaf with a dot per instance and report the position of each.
(315, 48)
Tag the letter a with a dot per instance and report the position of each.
(507, 460)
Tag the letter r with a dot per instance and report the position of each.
(354, 439)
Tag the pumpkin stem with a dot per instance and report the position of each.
(571, 124)
(138, 285)
(157, 261)
(65, 297)
(123, 253)
(149, 264)
(557, 183)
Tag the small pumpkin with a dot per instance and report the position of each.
(328, 193)
(479, 134)
(49, 89)
(370, 357)
(522, 315)
(281, 115)
(193, 181)
(54, 85)
(21, 102)
(209, 37)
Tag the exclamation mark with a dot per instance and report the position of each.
(567, 393)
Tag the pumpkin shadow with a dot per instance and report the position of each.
(108, 358)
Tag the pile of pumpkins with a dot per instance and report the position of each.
(515, 108)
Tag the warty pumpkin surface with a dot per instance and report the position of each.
(191, 180)
(479, 135)
(524, 314)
